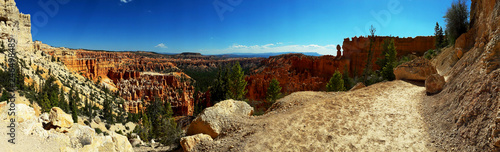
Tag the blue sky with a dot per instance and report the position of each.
(226, 26)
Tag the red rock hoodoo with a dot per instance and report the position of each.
(135, 77)
(297, 72)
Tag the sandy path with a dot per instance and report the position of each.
(382, 117)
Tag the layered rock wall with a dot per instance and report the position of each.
(356, 49)
(15, 24)
(297, 72)
(136, 78)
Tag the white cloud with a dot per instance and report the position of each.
(161, 45)
(125, 1)
(321, 49)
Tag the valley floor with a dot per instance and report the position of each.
(383, 117)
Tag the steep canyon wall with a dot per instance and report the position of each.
(297, 72)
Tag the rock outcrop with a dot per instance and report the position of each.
(434, 83)
(136, 78)
(76, 138)
(59, 119)
(418, 69)
(295, 72)
(356, 49)
(189, 142)
(468, 106)
(219, 117)
(359, 85)
(16, 25)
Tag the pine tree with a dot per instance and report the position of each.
(368, 66)
(390, 60)
(440, 41)
(336, 83)
(237, 83)
(273, 91)
(219, 91)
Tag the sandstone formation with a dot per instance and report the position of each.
(359, 85)
(16, 25)
(356, 49)
(295, 72)
(136, 78)
(189, 142)
(218, 117)
(31, 136)
(303, 73)
(466, 111)
(58, 118)
(418, 69)
(434, 83)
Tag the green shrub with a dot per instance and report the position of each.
(273, 91)
(98, 130)
(429, 54)
(336, 83)
(108, 126)
(457, 20)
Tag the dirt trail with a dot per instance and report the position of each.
(382, 117)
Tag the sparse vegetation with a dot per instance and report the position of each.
(388, 61)
(457, 20)
(158, 123)
(336, 83)
(368, 65)
(273, 91)
(237, 83)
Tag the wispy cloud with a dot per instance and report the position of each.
(125, 1)
(161, 45)
(278, 47)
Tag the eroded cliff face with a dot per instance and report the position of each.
(467, 110)
(356, 49)
(136, 78)
(295, 72)
(16, 25)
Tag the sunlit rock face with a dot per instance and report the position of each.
(297, 72)
(356, 49)
(16, 25)
(136, 78)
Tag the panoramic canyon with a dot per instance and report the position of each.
(203, 90)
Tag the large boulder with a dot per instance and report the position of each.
(434, 83)
(24, 113)
(189, 142)
(59, 119)
(213, 119)
(121, 143)
(418, 69)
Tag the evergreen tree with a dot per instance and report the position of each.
(237, 83)
(62, 101)
(336, 83)
(457, 20)
(439, 36)
(273, 91)
(5, 96)
(390, 60)
(347, 78)
(368, 66)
